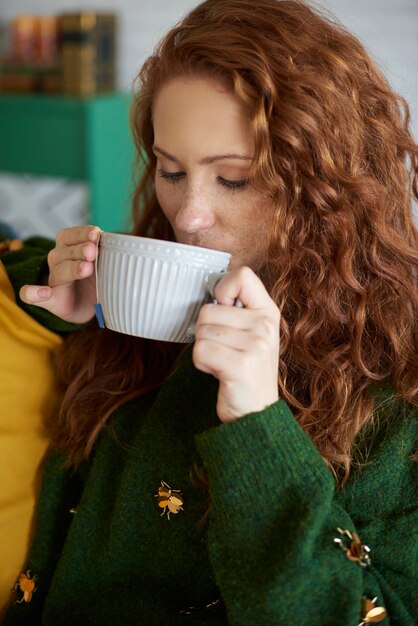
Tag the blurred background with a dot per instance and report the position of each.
(65, 149)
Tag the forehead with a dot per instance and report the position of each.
(202, 115)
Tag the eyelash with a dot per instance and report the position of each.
(172, 177)
(232, 185)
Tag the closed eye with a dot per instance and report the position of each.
(172, 177)
(233, 184)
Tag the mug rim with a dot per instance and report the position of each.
(171, 244)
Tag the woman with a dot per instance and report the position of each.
(266, 132)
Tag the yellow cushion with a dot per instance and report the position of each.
(26, 396)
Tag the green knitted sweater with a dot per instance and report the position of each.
(264, 555)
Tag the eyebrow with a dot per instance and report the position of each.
(206, 160)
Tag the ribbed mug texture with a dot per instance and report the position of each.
(151, 288)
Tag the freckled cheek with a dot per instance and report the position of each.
(169, 201)
(254, 233)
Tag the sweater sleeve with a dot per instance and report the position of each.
(28, 266)
(274, 519)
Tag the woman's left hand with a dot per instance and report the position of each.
(240, 346)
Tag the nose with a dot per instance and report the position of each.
(195, 213)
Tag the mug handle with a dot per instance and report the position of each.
(211, 282)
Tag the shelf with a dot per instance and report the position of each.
(76, 138)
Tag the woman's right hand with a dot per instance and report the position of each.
(71, 290)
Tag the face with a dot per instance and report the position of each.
(204, 152)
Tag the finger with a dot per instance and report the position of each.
(231, 337)
(217, 359)
(59, 300)
(78, 234)
(86, 251)
(244, 285)
(260, 337)
(42, 297)
(227, 316)
(68, 271)
(35, 294)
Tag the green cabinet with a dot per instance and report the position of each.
(76, 138)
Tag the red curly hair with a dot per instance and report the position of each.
(334, 150)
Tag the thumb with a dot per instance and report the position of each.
(48, 298)
(39, 295)
(59, 300)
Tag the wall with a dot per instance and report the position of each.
(388, 27)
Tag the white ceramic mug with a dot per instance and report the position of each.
(154, 289)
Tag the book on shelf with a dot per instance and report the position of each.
(88, 52)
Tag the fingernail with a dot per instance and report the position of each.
(44, 292)
(95, 234)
